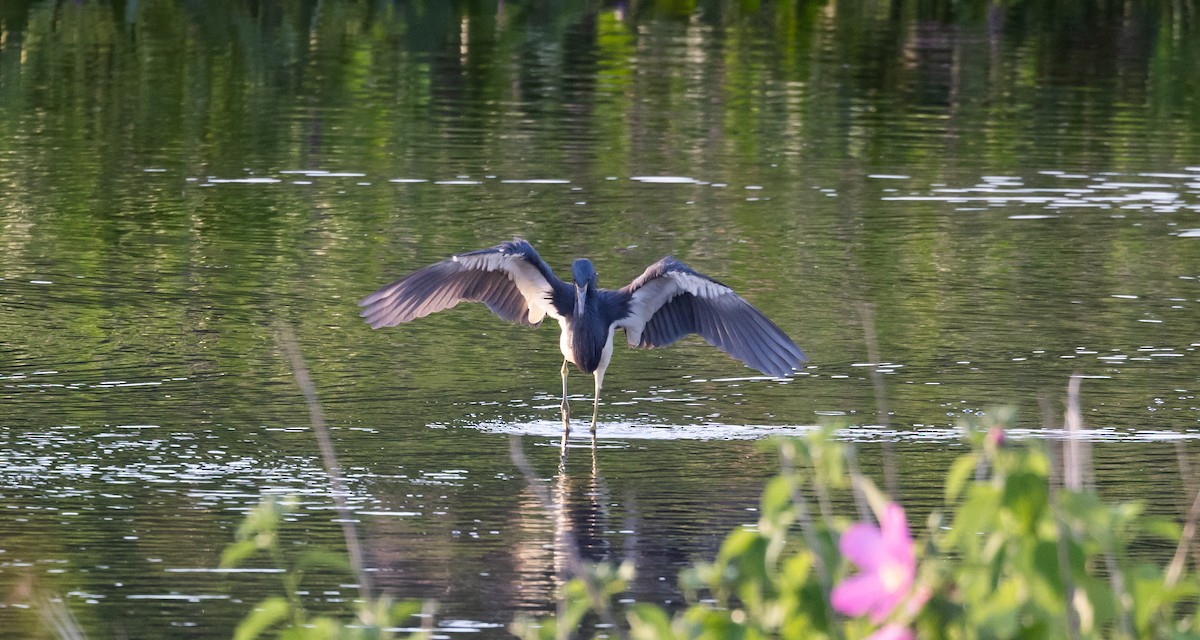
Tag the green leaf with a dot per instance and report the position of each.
(383, 612)
(876, 499)
(326, 628)
(1049, 586)
(828, 455)
(402, 611)
(959, 473)
(796, 569)
(1154, 602)
(996, 616)
(527, 627)
(976, 515)
(696, 577)
(737, 543)
(775, 509)
(236, 552)
(310, 558)
(744, 556)
(1150, 596)
(264, 517)
(626, 572)
(1164, 528)
(264, 616)
(578, 603)
(648, 622)
(1025, 495)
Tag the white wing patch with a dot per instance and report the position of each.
(697, 286)
(648, 299)
(530, 282)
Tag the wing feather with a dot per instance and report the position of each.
(670, 300)
(510, 278)
(741, 334)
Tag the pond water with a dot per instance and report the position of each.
(999, 199)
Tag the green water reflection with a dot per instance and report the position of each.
(1013, 188)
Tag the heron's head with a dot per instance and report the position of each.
(585, 278)
(584, 273)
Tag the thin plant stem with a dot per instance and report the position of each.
(1077, 464)
(1077, 452)
(1065, 533)
(891, 476)
(52, 611)
(824, 503)
(287, 343)
(428, 608)
(856, 487)
(1117, 579)
(819, 487)
(56, 616)
(1175, 569)
(290, 586)
(803, 516)
(1191, 487)
(1185, 468)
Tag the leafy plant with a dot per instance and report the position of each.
(286, 615)
(1012, 554)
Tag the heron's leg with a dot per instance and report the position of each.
(595, 472)
(566, 406)
(596, 401)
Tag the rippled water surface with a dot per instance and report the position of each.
(1006, 198)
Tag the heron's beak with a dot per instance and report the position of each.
(580, 299)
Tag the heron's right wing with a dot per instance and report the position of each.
(670, 301)
(510, 278)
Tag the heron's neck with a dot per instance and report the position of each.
(582, 295)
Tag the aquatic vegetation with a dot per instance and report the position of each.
(1022, 548)
(286, 616)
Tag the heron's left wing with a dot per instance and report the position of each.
(510, 278)
(670, 300)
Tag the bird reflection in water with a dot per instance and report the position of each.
(578, 522)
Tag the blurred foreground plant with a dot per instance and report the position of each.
(375, 617)
(259, 533)
(1012, 554)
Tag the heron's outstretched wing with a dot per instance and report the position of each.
(670, 301)
(510, 278)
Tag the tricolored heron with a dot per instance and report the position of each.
(667, 302)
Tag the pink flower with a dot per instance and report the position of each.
(892, 632)
(888, 562)
(995, 437)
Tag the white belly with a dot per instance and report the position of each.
(605, 356)
(564, 341)
(564, 345)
